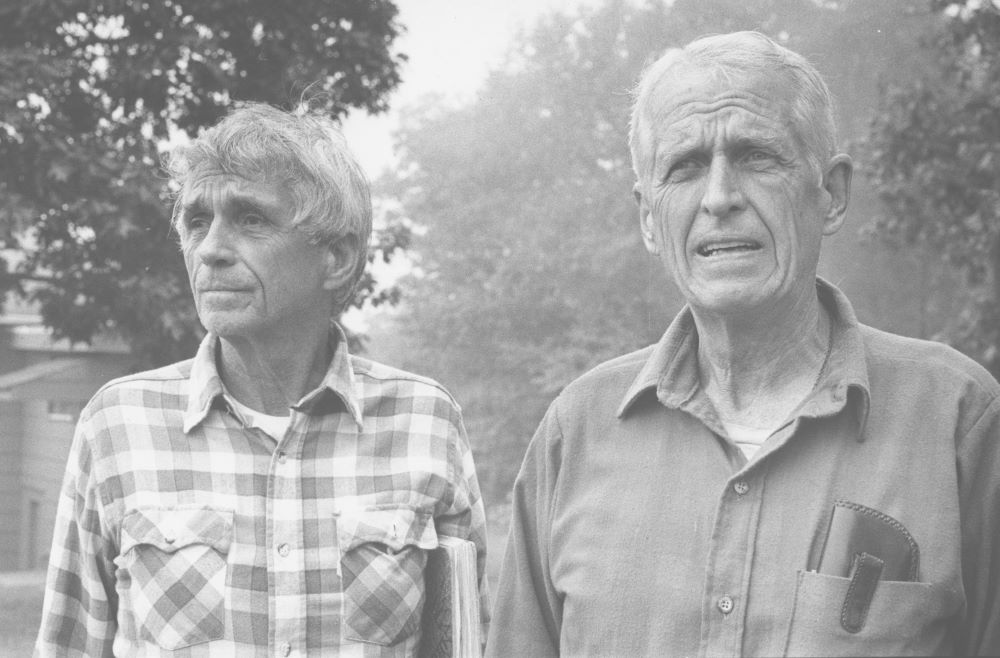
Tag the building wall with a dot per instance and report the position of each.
(46, 446)
(10, 484)
(49, 410)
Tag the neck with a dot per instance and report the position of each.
(757, 368)
(270, 376)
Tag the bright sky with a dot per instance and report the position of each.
(451, 44)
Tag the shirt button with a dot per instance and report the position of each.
(725, 605)
(741, 487)
(282, 457)
(284, 550)
(286, 649)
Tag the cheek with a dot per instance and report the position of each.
(672, 219)
(190, 262)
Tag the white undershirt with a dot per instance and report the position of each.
(748, 439)
(273, 426)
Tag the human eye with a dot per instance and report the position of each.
(252, 219)
(758, 156)
(196, 223)
(684, 168)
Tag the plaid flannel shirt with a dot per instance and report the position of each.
(181, 530)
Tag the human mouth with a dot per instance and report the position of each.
(725, 247)
(221, 292)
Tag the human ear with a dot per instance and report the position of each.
(341, 259)
(837, 184)
(645, 221)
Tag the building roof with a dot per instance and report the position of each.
(12, 380)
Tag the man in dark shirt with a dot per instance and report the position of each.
(772, 477)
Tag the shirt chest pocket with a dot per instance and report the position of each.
(904, 619)
(172, 574)
(383, 552)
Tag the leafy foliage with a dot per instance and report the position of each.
(935, 147)
(89, 91)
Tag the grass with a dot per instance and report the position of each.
(497, 524)
(20, 612)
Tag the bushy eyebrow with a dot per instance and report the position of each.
(672, 153)
(191, 208)
(237, 202)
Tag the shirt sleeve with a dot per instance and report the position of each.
(465, 516)
(979, 491)
(528, 613)
(80, 604)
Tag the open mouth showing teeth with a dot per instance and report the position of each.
(718, 249)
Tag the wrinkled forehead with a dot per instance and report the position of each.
(682, 97)
(698, 107)
(209, 186)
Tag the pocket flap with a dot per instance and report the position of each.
(170, 529)
(395, 527)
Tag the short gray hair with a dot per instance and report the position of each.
(302, 149)
(743, 53)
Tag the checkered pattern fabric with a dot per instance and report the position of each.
(182, 531)
(381, 596)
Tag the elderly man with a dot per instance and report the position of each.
(771, 478)
(275, 495)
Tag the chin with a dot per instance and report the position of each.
(732, 297)
(225, 325)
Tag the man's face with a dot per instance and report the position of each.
(253, 274)
(730, 203)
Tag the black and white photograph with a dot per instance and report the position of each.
(499, 328)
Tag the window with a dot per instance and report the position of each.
(66, 411)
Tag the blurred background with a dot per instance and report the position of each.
(506, 259)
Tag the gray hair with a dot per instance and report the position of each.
(303, 150)
(738, 55)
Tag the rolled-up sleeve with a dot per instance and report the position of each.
(464, 515)
(527, 615)
(79, 609)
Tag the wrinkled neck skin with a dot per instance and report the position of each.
(269, 377)
(757, 366)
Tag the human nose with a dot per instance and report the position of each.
(215, 247)
(723, 194)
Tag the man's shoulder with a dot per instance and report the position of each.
(919, 358)
(381, 380)
(607, 382)
(159, 380)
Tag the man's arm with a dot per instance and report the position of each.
(979, 490)
(528, 613)
(78, 613)
(465, 517)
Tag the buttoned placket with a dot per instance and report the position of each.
(727, 579)
(286, 555)
(731, 552)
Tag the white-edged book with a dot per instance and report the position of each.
(450, 627)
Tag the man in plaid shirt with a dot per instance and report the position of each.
(274, 495)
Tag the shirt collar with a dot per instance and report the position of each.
(672, 366)
(205, 386)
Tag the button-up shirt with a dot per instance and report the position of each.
(181, 530)
(640, 529)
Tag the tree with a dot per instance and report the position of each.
(89, 91)
(935, 146)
